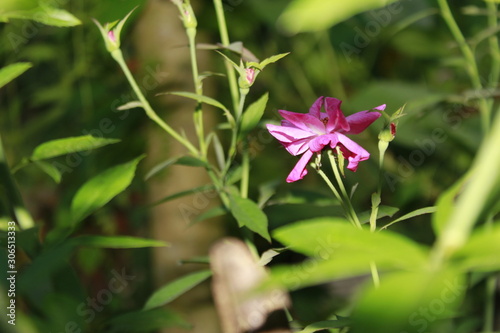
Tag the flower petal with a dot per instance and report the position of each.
(352, 151)
(293, 139)
(299, 171)
(315, 109)
(359, 121)
(336, 119)
(304, 121)
(317, 144)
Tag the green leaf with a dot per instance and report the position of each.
(253, 114)
(183, 160)
(174, 289)
(418, 212)
(405, 302)
(146, 321)
(181, 194)
(203, 99)
(10, 72)
(36, 10)
(65, 146)
(383, 211)
(480, 253)
(272, 60)
(445, 205)
(50, 170)
(212, 212)
(248, 214)
(336, 234)
(314, 15)
(99, 190)
(325, 325)
(116, 242)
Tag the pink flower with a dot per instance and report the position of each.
(309, 133)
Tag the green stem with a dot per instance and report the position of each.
(494, 47)
(118, 56)
(472, 68)
(198, 113)
(375, 275)
(486, 167)
(231, 75)
(245, 172)
(346, 197)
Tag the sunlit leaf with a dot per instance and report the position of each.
(336, 234)
(10, 72)
(37, 10)
(313, 15)
(65, 146)
(404, 301)
(130, 105)
(174, 289)
(445, 205)
(480, 253)
(100, 189)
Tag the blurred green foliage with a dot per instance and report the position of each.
(401, 54)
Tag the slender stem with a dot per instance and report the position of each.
(374, 272)
(468, 207)
(340, 183)
(198, 113)
(494, 47)
(489, 313)
(231, 75)
(118, 56)
(472, 68)
(245, 172)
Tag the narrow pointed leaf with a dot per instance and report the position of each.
(272, 59)
(116, 242)
(248, 214)
(171, 291)
(10, 72)
(181, 194)
(182, 160)
(100, 189)
(70, 145)
(39, 11)
(50, 170)
(418, 212)
(253, 114)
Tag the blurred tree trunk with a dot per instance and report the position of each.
(161, 44)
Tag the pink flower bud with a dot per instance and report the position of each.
(111, 36)
(250, 75)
